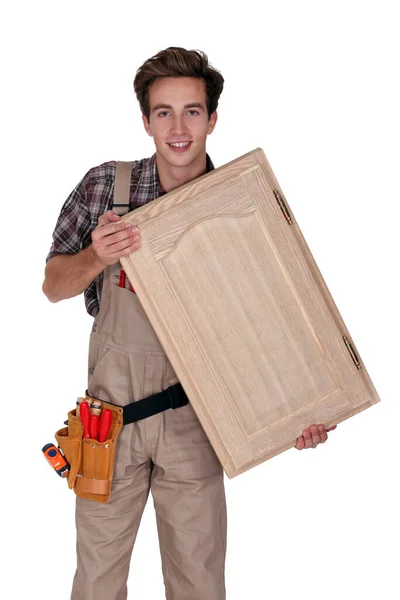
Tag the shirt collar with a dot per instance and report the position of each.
(153, 174)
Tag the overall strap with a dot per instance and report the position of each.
(122, 187)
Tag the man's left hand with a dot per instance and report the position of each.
(312, 436)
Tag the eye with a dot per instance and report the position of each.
(192, 112)
(163, 113)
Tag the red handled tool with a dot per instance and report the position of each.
(122, 279)
(56, 460)
(94, 427)
(95, 409)
(85, 418)
(105, 424)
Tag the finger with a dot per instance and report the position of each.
(314, 435)
(114, 238)
(120, 242)
(308, 442)
(123, 245)
(322, 434)
(110, 228)
(111, 218)
(107, 248)
(104, 233)
(113, 258)
(332, 428)
(300, 443)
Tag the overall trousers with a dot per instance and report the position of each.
(168, 454)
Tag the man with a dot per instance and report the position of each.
(168, 452)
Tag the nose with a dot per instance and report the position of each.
(178, 125)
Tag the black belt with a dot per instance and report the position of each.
(172, 397)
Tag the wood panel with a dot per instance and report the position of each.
(243, 313)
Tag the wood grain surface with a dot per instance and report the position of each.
(243, 313)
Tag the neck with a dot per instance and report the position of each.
(173, 177)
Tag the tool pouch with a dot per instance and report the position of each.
(91, 462)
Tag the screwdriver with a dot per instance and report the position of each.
(105, 424)
(85, 417)
(95, 409)
(94, 427)
(78, 402)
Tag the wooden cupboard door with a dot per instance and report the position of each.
(243, 313)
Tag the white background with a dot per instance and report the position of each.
(315, 84)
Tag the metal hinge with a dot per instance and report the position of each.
(281, 201)
(352, 352)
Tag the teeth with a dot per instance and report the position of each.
(180, 144)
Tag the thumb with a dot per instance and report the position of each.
(112, 215)
(108, 217)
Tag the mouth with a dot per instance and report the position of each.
(179, 146)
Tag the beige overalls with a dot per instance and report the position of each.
(167, 453)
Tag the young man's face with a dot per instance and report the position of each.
(179, 120)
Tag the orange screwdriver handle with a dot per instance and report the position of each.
(85, 417)
(105, 424)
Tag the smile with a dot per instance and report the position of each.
(179, 144)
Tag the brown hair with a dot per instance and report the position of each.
(178, 62)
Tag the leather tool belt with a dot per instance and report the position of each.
(92, 462)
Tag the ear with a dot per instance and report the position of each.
(212, 122)
(147, 125)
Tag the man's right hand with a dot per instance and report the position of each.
(113, 239)
(68, 275)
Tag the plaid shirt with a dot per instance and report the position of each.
(92, 197)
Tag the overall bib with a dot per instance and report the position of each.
(167, 453)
